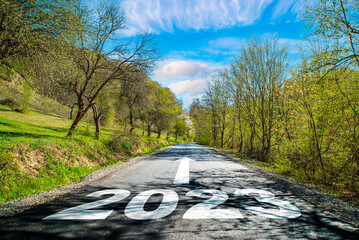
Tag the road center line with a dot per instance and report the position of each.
(182, 176)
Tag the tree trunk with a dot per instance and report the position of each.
(76, 121)
(149, 131)
(131, 120)
(222, 139)
(96, 117)
(159, 134)
(98, 128)
(72, 110)
(81, 111)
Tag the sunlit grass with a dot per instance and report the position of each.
(61, 159)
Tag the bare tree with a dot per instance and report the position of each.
(337, 24)
(217, 99)
(100, 63)
(259, 72)
(133, 92)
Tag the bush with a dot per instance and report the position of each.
(12, 103)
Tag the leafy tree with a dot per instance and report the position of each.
(200, 117)
(180, 128)
(28, 26)
(162, 106)
(336, 23)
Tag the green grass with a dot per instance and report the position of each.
(36, 155)
(37, 128)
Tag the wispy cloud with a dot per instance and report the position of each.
(164, 15)
(293, 6)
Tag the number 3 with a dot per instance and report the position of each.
(286, 210)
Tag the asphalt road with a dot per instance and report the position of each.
(186, 192)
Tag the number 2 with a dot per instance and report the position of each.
(82, 212)
(204, 209)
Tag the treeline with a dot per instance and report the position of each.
(76, 54)
(303, 120)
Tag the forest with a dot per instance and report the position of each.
(302, 119)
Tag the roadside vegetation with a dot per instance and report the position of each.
(75, 95)
(300, 121)
(36, 155)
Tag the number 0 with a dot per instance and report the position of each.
(135, 208)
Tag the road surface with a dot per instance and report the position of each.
(186, 192)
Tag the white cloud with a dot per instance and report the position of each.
(193, 88)
(180, 68)
(166, 15)
(284, 6)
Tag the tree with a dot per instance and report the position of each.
(133, 92)
(180, 128)
(216, 99)
(28, 27)
(200, 117)
(100, 63)
(161, 106)
(336, 23)
(259, 71)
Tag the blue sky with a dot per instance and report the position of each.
(197, 38)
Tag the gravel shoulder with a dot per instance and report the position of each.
(19, 205)
(342, 210)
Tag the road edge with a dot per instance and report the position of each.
(19, 205)
(345, 211)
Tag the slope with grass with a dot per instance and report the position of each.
(36, 155)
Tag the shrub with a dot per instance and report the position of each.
(12, 103)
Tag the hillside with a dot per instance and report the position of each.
(36, 156)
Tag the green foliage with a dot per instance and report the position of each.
(26, 97)
(334, 27)
(35, 155)
(12, 103)
(30, 26)
(180, 128)
(305, 127)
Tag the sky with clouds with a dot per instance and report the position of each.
(198, 38)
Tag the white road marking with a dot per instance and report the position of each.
(182, 176)
(135, 208)
(83, 212)
(285, 209)
(204, 209)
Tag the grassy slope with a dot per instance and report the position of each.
(36, 155)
